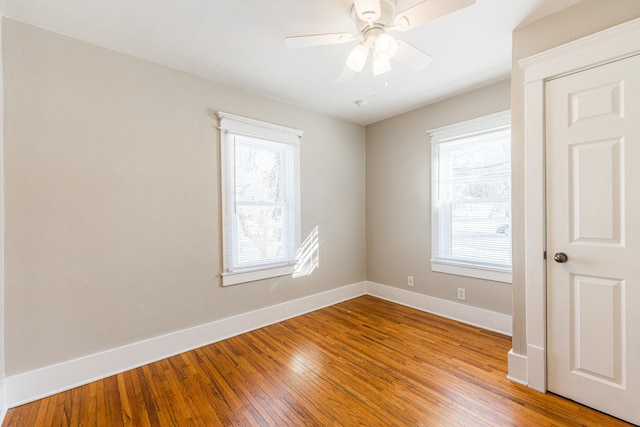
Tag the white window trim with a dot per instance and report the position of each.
(471, 127)
(496, 274)
(231, 124)
(485, 124)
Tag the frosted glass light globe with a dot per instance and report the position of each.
(385, 46)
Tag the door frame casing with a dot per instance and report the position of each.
(606, 46)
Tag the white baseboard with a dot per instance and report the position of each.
(485, 319)
(29, 386)
(3, 400)
(517, 368)
(39, 383)
(537, 368)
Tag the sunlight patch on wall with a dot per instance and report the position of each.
(308, 255)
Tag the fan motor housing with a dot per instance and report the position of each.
(387, 15)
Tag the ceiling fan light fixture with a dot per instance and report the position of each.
(358, 57)
(386, 47)
(374, 19)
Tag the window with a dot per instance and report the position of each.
(260, 198)
(471, 198)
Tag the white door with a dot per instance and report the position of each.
(593, 216)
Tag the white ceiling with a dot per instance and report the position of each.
(240, 43)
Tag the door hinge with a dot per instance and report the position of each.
(545, 255)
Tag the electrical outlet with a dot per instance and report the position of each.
(410, 281)
(461, 294)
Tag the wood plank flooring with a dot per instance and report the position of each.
(362, 362)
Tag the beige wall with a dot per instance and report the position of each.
(112, 199)
(584, 18)
(398, 199)
(2, 311)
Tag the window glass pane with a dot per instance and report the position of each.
(263, 204)
(258, 171)
(260, 233)
(476, 168)
(480, 231)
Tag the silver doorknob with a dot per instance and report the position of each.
(560, 257)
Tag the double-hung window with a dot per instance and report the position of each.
(471, 198)
(260, 199)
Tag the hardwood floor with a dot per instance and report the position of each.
(361, 362)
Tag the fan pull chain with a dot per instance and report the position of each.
(373, 91)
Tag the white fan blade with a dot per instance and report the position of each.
(367, 10)
(358, 57)
(426, 11)
(346, 75)
(319, 40)
(411, 56)
(381, 66)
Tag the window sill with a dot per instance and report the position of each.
(237, 277)
(470, 270)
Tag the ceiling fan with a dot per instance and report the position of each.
(374, 20)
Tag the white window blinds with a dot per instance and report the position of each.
(261, 215)
(471, 198)
(263, 218)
